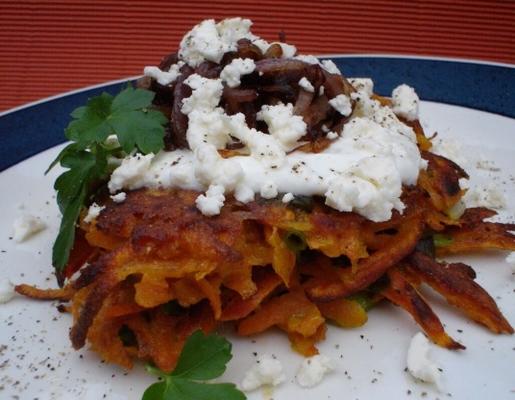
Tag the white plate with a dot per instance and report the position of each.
(38, 361)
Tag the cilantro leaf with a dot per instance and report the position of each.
(137, 127)
(202, 358)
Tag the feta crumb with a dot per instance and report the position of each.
(330, 67)
(288, 49)
(119, 197)
(342, 104)
(365, 85)
(131, 173)
(308, 59)
(164, 77)
(287, 198)
(489, 196)
(405, 102)
(244, 194)
(6, 290)
(231, 74)
(305, 84)
(269, 190)
(26, 226)
(313, 369)
(93, 212)
(210, 41)
(211, 203)
(205, 96)
(282, 124)
(331, 135)
(420, 366)
(267, 371)
(321, 90)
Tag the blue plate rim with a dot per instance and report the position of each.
(11, 155)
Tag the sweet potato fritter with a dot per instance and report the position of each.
(157, 269)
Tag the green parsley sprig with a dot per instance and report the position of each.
(203, 358)
(127, 116)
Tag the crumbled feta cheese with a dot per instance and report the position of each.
(210, 41)
(231, 30)
(313, 369)
(261, 44)
(419, 364)
(287, 197)
(131, 173)
(164, 77)
(209, 127)
(264, 148)
(212, 169)
(289, 50)
(119, 197)
(231, 74)
(330, 67)
(305, 84)
(331, 135)
(369, 108)
(309, 59)
(267, 371)
(211, 203)
(365, 85)
(342, 104)
(6, 290)
(26, 226)
(202, 43)
(93, 212)
(244, 193)
(285, 127)
(405, 102)
(489, 196)
(205, 96)
(321, 90)
(269, 190)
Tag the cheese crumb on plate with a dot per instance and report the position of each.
(267, 371)
(6, 290)
(26, 226)
(313, 369)
(420, 366)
